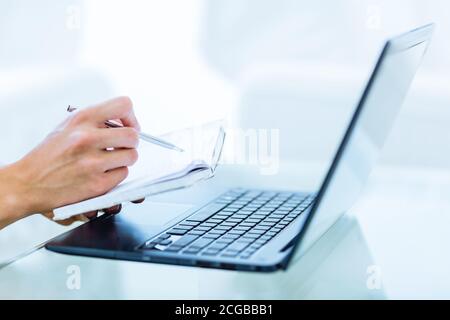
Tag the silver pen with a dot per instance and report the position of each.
(143, 136)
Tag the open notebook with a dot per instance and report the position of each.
(159, 170)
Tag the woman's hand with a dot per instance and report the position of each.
(81, 159)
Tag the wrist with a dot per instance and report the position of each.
(13, 195)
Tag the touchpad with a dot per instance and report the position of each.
(152, 213)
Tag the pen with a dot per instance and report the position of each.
(143, 136)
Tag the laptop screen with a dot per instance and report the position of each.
(366, 134)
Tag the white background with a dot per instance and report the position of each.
(297, 66)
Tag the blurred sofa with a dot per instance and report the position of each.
(311, 104)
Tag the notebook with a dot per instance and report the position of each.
(160, 170)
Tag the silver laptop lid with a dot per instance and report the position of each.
(365, 135)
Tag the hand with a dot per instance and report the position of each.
(87, 216)
(81, 159)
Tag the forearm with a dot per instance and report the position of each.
(13, 197)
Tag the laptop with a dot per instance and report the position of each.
(264, 230)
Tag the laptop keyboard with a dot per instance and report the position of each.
(236, 224)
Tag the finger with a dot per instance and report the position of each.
(118, 108)
(116, 138)
(118, 158)
(113, 210)
(69, 221)
(138, 201)
(80, 217)
(91, 215)
(50, 215)
(66, 222)
(115, 176)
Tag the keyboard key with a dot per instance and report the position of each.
(221, 227)
(231, 254)
(248, 252)
(230, 236)
(239, 216)
(217, 246)
(282, 210)
(214, 220)
(259, 216)
(255, 246)
(211, 235)
(251, 208)
(197, 232)
(238, 232)
(241, 227)
(252, 193)
(226, 223)
(265, 223)
(237, 246)
(260, 241)
(210, 252)
(226, 241)
(201, 243)
(192, 250)
(216, 231)
(246, 212)
(225, 202)
(235, 205)
(149, 245)
(229, 209)
(221, 216)
(177, 232)
(173, 248)
(239, 204)
(272, 220)
(202, 228)
(206, 212)
(254, 231)
(261, 227)
(244, 239)
(185, 240)
(251, 235)
(228, 198)
(276, 216)
(252, 220)
(165, 242)
(183, 227)
(164, 236)
(248, 224)
(189, 223)
(207, 224)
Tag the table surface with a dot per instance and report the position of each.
(391, 244)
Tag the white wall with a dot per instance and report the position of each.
(185, 62)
